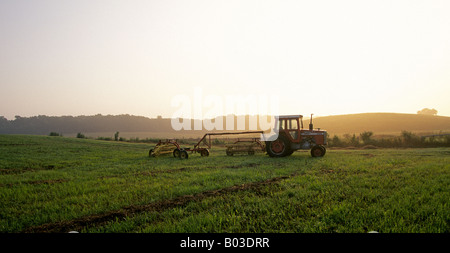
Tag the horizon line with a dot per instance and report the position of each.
(240, 115)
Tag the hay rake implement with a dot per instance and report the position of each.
(245, 146)
(242, 145)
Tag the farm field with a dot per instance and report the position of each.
(59, 184)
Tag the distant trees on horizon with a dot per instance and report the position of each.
(380, 123)
(406, 139)
(42, 124)
(427, 111)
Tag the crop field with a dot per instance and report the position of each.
(59, 184)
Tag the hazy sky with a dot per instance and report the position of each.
(84, 57)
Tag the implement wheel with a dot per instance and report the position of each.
(176, 152)
(204, 152)
(184, 154)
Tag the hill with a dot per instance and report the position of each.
(382, 123)
(379, 123)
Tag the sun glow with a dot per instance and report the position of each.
(326, 58)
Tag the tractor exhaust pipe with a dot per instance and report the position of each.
(311, 124)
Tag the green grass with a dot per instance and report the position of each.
(70, 183)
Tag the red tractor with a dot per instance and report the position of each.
(292, 136)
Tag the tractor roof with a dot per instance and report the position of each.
(289, 116)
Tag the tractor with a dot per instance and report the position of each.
(292, 136)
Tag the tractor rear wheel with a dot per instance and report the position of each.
(150, 153)
(278, 148)
(318, 151)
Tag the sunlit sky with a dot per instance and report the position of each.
(85, 57)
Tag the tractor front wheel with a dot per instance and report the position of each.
(318, 151)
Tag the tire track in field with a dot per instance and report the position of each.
(101, 219)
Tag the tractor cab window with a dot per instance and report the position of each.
(293, 128)
(281, 124)
(293, 124)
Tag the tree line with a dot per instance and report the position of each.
(43, 125)
(406, 139)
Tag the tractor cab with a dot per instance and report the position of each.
(291, 126)
(292, 136)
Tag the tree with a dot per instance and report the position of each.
(365, 136)
(409, 139)
(427, 111)
(351, 139)
(3, 120)
(336, 141)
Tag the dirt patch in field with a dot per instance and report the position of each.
(16, 144)
(23, 170)
(161, 171)
(148, 173)
(249, 165)
(101, 219)
(47, 181)
(368, 155)
(55, 181)
(327, 171)
(369, 147)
